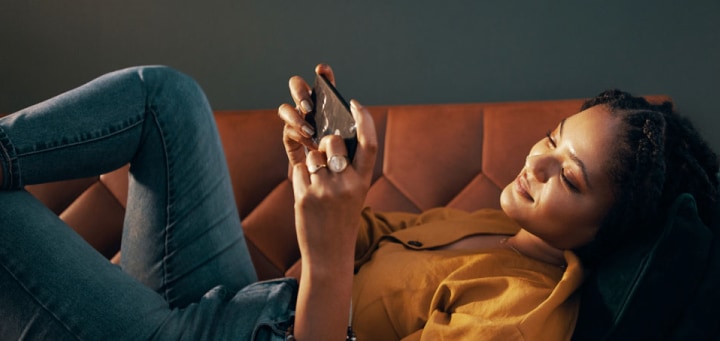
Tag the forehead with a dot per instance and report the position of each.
(597, 120)
(592, 135)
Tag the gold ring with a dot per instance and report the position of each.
(316, 168)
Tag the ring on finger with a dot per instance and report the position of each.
(314, 169)
(337, 163)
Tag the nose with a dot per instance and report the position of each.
(542, 166)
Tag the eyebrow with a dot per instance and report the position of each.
(575, 158)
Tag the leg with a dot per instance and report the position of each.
(53, 285)
(182, 186)
(182, 234)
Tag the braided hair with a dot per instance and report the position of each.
(660, 155)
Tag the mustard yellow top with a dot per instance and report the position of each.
(405, 290)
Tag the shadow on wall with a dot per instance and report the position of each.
(384, 52)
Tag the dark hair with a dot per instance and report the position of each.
(660, 155)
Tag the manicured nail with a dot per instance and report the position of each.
(306, 106)
(308, 130)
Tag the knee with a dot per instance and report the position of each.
(165, 84)
(167, 78)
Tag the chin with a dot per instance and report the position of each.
(514, 207)
(507, 201)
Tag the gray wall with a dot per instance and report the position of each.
(384, 52)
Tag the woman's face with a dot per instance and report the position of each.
(564, 191)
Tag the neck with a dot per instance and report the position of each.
(532, 246)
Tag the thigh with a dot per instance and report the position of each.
(182, 233)
(55, 286)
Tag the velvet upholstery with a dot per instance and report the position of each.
(456, 155)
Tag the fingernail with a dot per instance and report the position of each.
(308, 130)
(306, 106)
(355, 104)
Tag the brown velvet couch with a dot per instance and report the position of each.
(457, 155)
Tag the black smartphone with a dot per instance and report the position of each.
(331, 115)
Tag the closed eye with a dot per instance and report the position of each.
(550, 139)
(565, 179)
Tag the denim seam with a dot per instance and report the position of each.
(168, 205)
(10, 157)
(92, 139)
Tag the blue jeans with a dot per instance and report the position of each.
(185, 272)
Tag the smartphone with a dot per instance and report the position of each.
(331, 115)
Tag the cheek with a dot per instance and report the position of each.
(571, 209)
(566, 216)
(579, 226)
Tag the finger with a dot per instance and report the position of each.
(332, 143)
(301, 94)
(300, 180)
(366, 153)
(295, 120)
(336, 152)
(326, 70)
(316, 163)
(295, 144)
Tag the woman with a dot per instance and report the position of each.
(185, 269)
(598, 181)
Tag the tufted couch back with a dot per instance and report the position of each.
(457, 155)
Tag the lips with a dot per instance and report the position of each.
(522, 187)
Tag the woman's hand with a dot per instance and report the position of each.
(327, 216)
(297, 133)
(328, 201)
